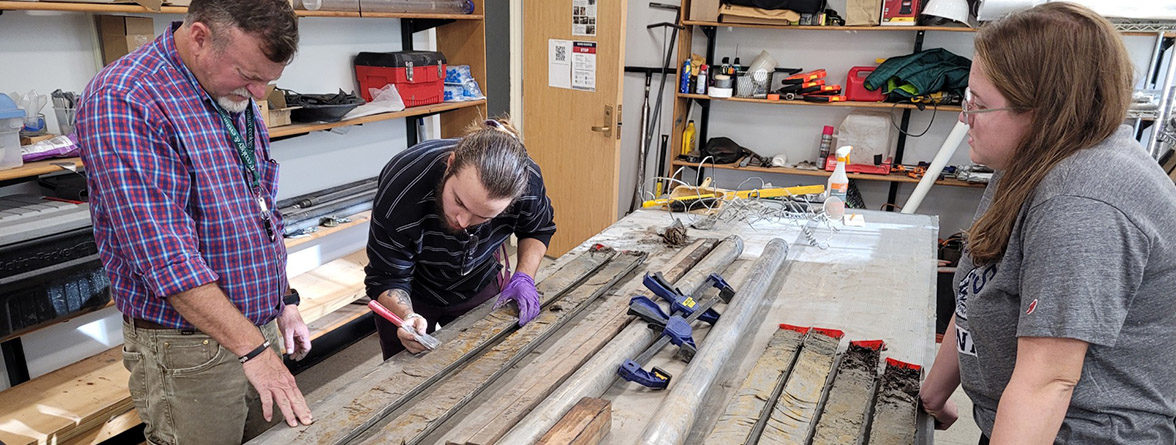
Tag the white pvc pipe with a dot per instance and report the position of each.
(945, 151)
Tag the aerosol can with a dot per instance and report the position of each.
(838, 186)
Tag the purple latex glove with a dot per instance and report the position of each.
(521, 289)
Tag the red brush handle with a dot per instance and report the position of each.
(382, 311)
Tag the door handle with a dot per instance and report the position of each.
(607, 127)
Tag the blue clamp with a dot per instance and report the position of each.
(656, 379)
(649, 311)
(680, 303)
(679, 333)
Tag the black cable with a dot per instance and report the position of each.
(934, 111)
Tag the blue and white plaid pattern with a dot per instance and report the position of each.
(171, 204)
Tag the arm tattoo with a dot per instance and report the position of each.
(401, 298)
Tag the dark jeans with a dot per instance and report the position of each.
(390, 343)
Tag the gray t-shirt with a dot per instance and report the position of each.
(1092, 257)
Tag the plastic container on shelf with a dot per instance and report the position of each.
(419, 75)
(11, 121)
(420, 6)
(855, 88)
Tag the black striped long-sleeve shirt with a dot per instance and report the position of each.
(409, 247)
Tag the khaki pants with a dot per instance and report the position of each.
(190, 390)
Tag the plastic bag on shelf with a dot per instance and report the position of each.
(460, 84)
(384, 100)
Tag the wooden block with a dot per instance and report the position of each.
(587, 423)
(113, 427)
(331, 286)
(65, 402)
(88, 401)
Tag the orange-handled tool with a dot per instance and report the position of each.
(425, 339)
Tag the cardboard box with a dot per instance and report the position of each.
(120, 35)
(704, 10)
(273, 109)
(900, 12)
(863, 12)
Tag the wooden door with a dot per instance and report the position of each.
(574, 134)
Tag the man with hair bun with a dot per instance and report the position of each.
(442, 213)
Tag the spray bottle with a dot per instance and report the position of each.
(838, 185)
(700, 88)
(826, 141)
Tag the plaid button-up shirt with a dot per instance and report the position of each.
(171, 203)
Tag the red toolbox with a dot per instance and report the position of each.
(855, 88)
(419, 75)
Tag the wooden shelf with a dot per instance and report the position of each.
(320, 13)
(49, 165)
(851, 104)
(873, 28)
(831, 28)
(341, 316)
(134, 8)
(38, 168)
(89, 398)
(87, 7)
(413, 15)
(893, 177)
(297, 129)
(356, 219)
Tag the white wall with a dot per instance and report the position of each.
(795, 130)
(46, 51)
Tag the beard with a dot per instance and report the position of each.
(235, 106)
(439, 208)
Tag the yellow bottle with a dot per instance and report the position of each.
(688, 139)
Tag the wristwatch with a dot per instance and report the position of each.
(292, 297)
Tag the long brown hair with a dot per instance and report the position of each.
(1069, 66)
(495, 148)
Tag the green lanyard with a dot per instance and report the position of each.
(246, 150)
(245, 146)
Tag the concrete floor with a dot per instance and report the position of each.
(964, 431)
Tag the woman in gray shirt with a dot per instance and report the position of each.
(1065, 322)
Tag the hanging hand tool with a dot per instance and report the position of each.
(826, 90)
(823, 98)
(805, 77)
(792, 91)
(424, 339)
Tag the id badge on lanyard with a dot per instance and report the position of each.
(245, 149)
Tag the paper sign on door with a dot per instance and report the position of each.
(584, 66)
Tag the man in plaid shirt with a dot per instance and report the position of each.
(182, 190)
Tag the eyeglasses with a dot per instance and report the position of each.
(969, 108)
